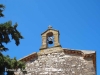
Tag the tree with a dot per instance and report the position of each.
(1, 10)
(8, 30)
(8, 63)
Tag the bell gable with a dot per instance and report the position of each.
(50, 33)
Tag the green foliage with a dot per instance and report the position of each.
(2, 66)
(7, 30)
(6, 62)
(2, 7)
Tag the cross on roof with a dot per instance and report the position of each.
(49, 27)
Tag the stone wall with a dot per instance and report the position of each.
(59, 63)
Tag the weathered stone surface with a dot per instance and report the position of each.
(59, 63)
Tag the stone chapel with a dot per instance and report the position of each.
(56, 60)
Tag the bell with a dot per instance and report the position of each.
(50, 42)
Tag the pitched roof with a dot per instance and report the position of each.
(50, 29)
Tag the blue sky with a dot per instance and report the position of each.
(77, 20)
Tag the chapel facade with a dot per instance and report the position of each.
(56, 60)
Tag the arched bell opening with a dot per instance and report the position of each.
(50, 39)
